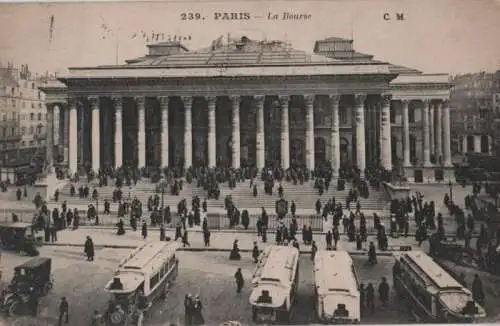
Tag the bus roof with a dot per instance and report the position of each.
(430, 272)
(279, 264)
(333, 272)
(148, 257)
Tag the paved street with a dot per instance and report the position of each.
(209, 274)
(219, 240)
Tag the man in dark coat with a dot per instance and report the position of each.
(89, 249)
(238, 276)
(255, 252)
(383, 291)
(477, 290)
(63, 311)
(144, 230)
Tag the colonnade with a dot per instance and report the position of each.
(436, 134)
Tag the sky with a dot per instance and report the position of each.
(436, 36)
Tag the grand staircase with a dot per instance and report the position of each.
(304, 195)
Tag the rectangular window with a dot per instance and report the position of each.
(342, 116)
(153, 281)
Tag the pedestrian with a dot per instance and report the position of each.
(144, 230)
(96, 318)
(238, 276)
(89, 249)
(63, 311)
(383, 291)
(255, 252)
(477, 290)
(185, 241)
(372, 254)
(370, 297)
(162, 232)
(362, 297)
(314, 249)
(188, 309)
(206, 237)
(197, 311)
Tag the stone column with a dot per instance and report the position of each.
(56, 123)
(335, 134)
(260, 146)
(477, 143)
(425, 118)
(285, 133)
(406, 134)
(212, 132)
(432, 137)
(360, 132)
(188, 132)
(385, 133)
(236, 144)
(66, 135)
(164, 130)
(439, 134)
(446, 134)
(141, 131)
(50, 134)
(118, 104)
(96, 135)
(73, 136)
(309, 101)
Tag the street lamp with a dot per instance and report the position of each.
(450, 185)
(162, 195)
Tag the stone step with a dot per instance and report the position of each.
(304, 195)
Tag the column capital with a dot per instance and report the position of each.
(163, 100)
(211, 101)
(309, 99)
(93, 101)
(445, 103)
(405, 102)
(426, 102)
(283, 99)
(187, 100)
(386, 99)
(73, 102)
(117, 101)
(259, 99)
(335, 98)
(360, 98)
(234, 98)
(140, 100)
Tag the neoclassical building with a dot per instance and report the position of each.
(253, 102)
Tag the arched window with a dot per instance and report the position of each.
(32, 116)
(4, 132)
(23, 131)
(31, 130)
(38, 130)
(39, 117)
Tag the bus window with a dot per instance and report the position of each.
(153, 281)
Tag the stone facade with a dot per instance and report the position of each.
(303, 113)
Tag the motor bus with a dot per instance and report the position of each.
(275, 283)
(431, 294)
(336, 288)
(144, 276)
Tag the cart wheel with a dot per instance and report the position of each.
(14, 308)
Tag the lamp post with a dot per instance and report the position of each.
(450, 185)
(162, 195)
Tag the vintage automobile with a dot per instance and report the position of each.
(32, 280)
(19, 237)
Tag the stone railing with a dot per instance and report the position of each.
(396, 191)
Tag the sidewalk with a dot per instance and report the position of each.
(219, 241)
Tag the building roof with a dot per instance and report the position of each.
(402, 70)
(243, 52)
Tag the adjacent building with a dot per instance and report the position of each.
(253, 102)
(475, 100)
(23, 125)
